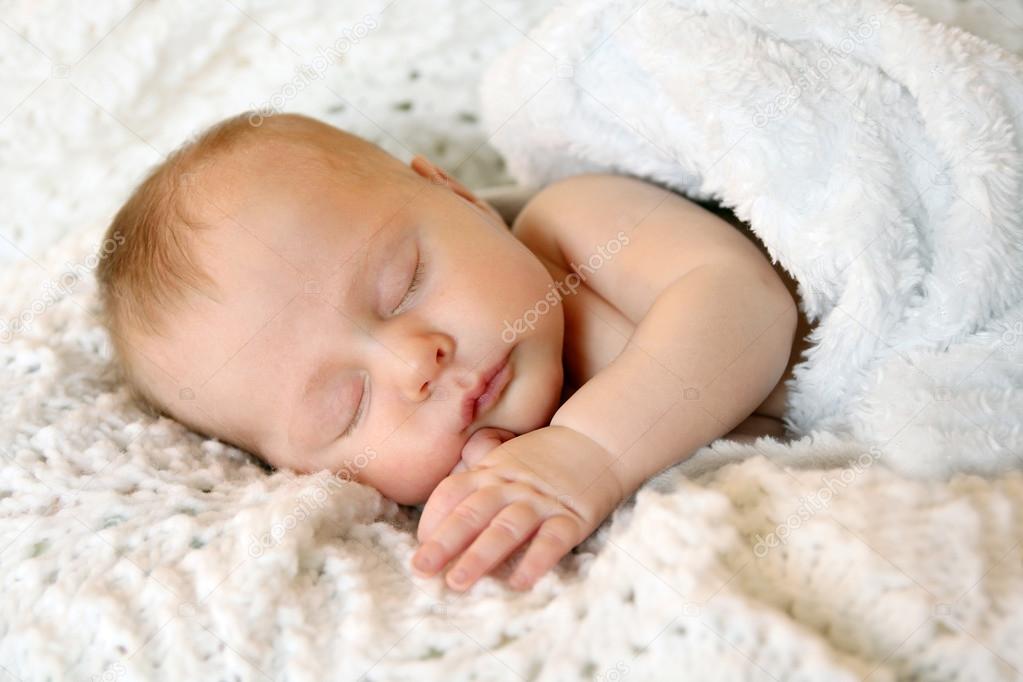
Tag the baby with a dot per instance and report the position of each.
(298, 292)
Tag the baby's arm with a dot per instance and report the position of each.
(713, 333)
(714, 323)
(708, 352)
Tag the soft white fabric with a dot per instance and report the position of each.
(134, 549)
(877, 156)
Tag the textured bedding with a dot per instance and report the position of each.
(877, 158)
(867, 547)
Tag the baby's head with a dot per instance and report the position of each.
(264, 296)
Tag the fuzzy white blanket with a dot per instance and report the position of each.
(134, 549)
(878, 157)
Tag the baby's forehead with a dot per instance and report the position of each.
(302, 173)
(281, 208)
(231, 176)
(268, 238)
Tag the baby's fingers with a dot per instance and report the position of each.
(508, 530)
(458, 529)
(556, 537)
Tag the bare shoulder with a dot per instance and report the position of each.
(629, 239)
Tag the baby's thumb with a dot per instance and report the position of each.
(482, 442)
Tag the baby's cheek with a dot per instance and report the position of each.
(410, 478)
(408, 464)
(445, 461)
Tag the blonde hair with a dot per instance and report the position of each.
(148, 277)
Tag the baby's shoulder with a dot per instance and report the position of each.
(562, 213)
(595, 330)
(627, 238)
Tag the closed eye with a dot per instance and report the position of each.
(359, 410)
(414, 285)
(417, 277)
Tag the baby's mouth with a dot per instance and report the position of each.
(488, 389)
(494, 389)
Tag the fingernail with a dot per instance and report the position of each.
(424, 561)
(458, 577)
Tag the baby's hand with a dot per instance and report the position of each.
(479, 444)
(554, 481)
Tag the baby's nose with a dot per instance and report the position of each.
(423, 365)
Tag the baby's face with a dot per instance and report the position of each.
(318, 356)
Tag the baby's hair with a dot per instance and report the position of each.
(150, 274)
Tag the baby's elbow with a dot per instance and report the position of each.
(788, 305)
(778, 301)
(788, 323)
(782, 300)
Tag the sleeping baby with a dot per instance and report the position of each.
(296, 291)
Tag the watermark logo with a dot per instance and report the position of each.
(57, 290)
(310, 72)
(556, 290)
(309, 501)
(614, 674)
(809, 505)
(814, 77)
(114, 671)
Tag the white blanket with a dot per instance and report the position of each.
(134, 549)
(878, 157)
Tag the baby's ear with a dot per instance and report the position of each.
(424, 167)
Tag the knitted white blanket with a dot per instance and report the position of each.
(134, 549)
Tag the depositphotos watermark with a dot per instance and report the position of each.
(303, 510)
(616, 674)
(815, 76)
(572, 281)
(55, 291)
(111, 673)
(310, 72)
(811, 504)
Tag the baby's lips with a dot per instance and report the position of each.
(479, 444)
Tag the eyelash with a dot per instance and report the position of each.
(358, 413)
(417, 277)
(414, 286)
